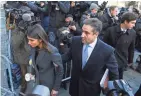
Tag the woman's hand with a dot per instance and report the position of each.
(54, 93)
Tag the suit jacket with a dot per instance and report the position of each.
(43, 67)
(86, 82)
(124, 44)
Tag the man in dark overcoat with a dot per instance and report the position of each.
(90, 57)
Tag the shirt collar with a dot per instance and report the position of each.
(92, 45)
(124, 30)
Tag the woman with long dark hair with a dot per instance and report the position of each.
(45, 60)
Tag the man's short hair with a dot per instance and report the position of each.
(128, 16)
(95, 23)
(112, 8)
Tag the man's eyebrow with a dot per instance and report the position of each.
(85, 31)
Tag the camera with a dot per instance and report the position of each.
(22, 15)
(64, 35)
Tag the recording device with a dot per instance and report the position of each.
(102, 6)
(119, 88)
(24, 19)
(22, 15)
(64, 35)
(54, 2)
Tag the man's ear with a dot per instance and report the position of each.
(97, 33)
(40, 40)
(126, 22)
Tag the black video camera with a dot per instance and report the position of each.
(102, 7)
(64, 35)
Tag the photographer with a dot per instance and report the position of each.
(109, 19)
(77, 8)
(73, 26)
(23, 18)
(57, 11)
(91, 13)
(65, 33)
(19, 46)
(40, 9)
(137, 51)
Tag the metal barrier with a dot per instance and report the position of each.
(67, 66)
(5, 91)
(5, 58)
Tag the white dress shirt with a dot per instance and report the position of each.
(124, 30)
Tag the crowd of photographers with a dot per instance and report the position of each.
(62, 20)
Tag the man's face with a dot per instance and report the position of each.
(94, 11)
(67, 20)
(88, 36)
(130, 25)
(114, 12)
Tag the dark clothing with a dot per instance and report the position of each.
(57, 16)
(138, 32)
(78, 9)
(41, 13)
(78, 29)
(20, 52)
(107, 22)
(44, 69)
(124, 44)
(121, 70)
(23, 82)
(86, 81)
(20, 47)
(138, 43)
(138, 93)
(57, 13)
(85, 14)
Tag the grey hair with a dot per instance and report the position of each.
(95, 23)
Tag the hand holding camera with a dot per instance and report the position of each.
(72, 27)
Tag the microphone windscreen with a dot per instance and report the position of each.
(26, 17)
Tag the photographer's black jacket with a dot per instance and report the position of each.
(138, 32)
(57, 17)
(107, 22)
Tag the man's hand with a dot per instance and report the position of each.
(88, 16)
(54, 93)
(72, 28)
(130, 64)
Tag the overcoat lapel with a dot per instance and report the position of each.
(34, 62)
(40, 56)
(80, 49)
(33, 57)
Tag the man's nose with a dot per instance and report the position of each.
(29, 42)
(82, 35)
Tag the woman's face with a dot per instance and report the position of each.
(34, 42)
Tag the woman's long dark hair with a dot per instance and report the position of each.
(37, 32)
